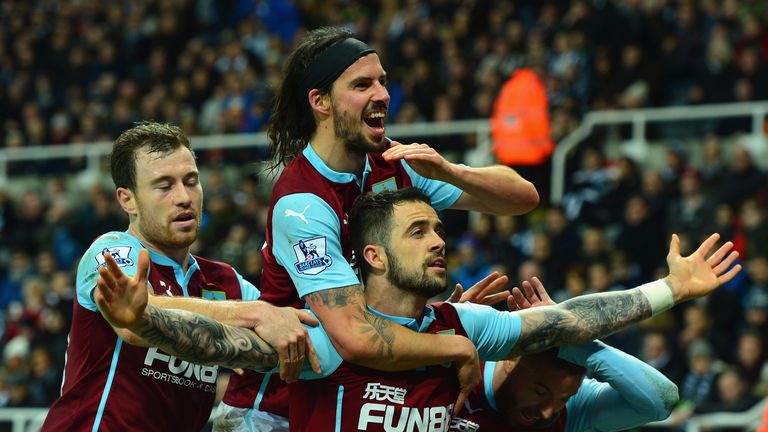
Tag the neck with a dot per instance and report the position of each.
(180, 256)
(386, 298)
(333, 152)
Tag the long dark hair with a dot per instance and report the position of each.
(292, 123)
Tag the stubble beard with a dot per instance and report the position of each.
(419, 284)
(348, 131)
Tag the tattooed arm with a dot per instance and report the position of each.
(198, 339)
(364, 338)
(123, 301)
(580, 319)
(588, 317)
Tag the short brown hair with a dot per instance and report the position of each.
(158, 137)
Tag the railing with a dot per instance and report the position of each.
(94, 152)
(747, 420)
(639, 120)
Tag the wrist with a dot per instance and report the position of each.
(660, 294)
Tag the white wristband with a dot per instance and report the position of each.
(659, 295)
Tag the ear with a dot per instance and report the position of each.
(375, 257)
(320, 103)
(127, 200)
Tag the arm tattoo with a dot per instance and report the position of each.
(335, 297)
(579, 320)
(198, 339)
(378, 330)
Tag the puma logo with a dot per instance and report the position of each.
(290, 212)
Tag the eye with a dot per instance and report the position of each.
(164, 186)
(192, 181)
(417, 233)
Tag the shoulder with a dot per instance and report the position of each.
(120, 244)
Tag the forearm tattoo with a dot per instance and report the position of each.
(378, 330)
(580, 319)
(198, 339)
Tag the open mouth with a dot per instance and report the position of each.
(185, 218)
(437, 263)
(375, 121)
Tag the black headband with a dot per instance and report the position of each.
(332, 62)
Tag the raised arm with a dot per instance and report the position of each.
(495, 189)
(589, 317)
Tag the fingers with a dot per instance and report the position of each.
(530, 293)
(306, 318)
(106, 274)
(239, 371)
(726, 263)
(314, 360)
(103, 287)
(495, 284)
(730, 275)
(456, 294)
(521, 302)
(142, 267)
(495, 298)
(284, 358)
(719, 254)
(460, 401)
(674, 247)
(541, 291)
(704, 248)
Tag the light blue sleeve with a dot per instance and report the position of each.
(494, 333)
(621, 392)
(123, 247)
(442, 194)
(306, 242)
(248, 291)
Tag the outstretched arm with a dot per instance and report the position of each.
(192, 337)
(495, 189)
(624, 393)
(589, 317)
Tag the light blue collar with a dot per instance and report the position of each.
(488, 371)
(181, 278)
(327, 172)
(411, 323)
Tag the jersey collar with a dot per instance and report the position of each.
(334, 176)
(411, 323)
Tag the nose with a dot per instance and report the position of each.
(181, 196)
(381, 94)
(547, 412)
(438, 243)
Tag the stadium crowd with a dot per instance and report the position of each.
(73, 72)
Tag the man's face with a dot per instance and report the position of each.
(416, 253)
(169, 198)
(359, 103)
(535, 391)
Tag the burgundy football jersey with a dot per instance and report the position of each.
(114, 386)
(299, 176)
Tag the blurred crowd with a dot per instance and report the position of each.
(75, 72)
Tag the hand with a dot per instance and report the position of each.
(469, 374)
(532, 295)
(483, 292)
(281, 328)
(695, 275)
(425, 160)
(122, 299)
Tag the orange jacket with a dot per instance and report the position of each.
(520, 122)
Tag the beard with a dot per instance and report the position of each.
(348, 131)
(162, 236)
(416, 282)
